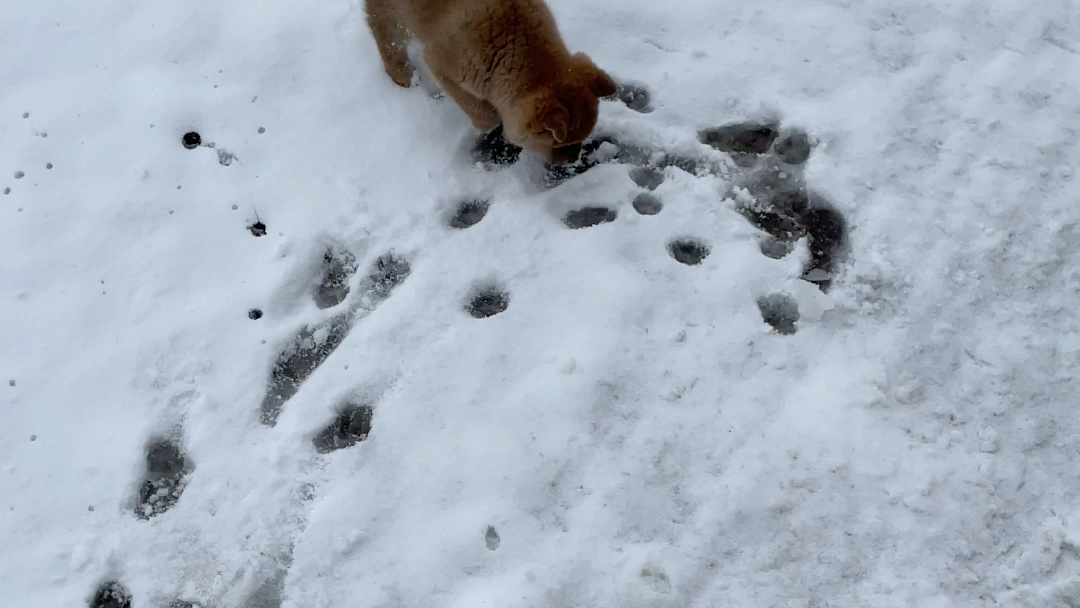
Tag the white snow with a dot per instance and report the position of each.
(629, 428)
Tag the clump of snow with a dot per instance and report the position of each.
(857, 390)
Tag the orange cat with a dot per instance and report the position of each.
(500, 61)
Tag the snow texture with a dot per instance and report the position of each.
(832, 364)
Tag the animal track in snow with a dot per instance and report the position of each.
(469, 213)
(793, 148)
(111, 594)
(634, 96)
(787, 216)
(742, 141)
(487, 302)
(338, 267)
(167, 469)
(780, 311)
(492, 539)
(782, 206)
(647, 203)
(351, 426)
(775, 248)
(827, 232)
(313, 345)
(688, 251)
(308, 350)
(388, 272)
(587, 217)
(225, 157)
(648, 178)
(778, 214)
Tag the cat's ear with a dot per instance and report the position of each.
(557, 121)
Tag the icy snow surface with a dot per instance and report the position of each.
(433, 383)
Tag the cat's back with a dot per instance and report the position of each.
(482, 21)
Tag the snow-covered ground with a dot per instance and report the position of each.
(628, 432)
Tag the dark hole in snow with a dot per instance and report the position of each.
(587, 217)
(488, 302)
(779, 311)
(775, 248)
(826, 230)
(793, 148)
(192, 140)
(649, 178)
(647, 203)
(166, 470)
(255, 314)
(469, 213)
(741, 138)
(257, 229)
(350, 427)
(111, 594)
(688, 251)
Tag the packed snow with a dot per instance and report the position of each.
(324, 357)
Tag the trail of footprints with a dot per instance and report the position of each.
(780, 206)
(314, 344)
(769, 168)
